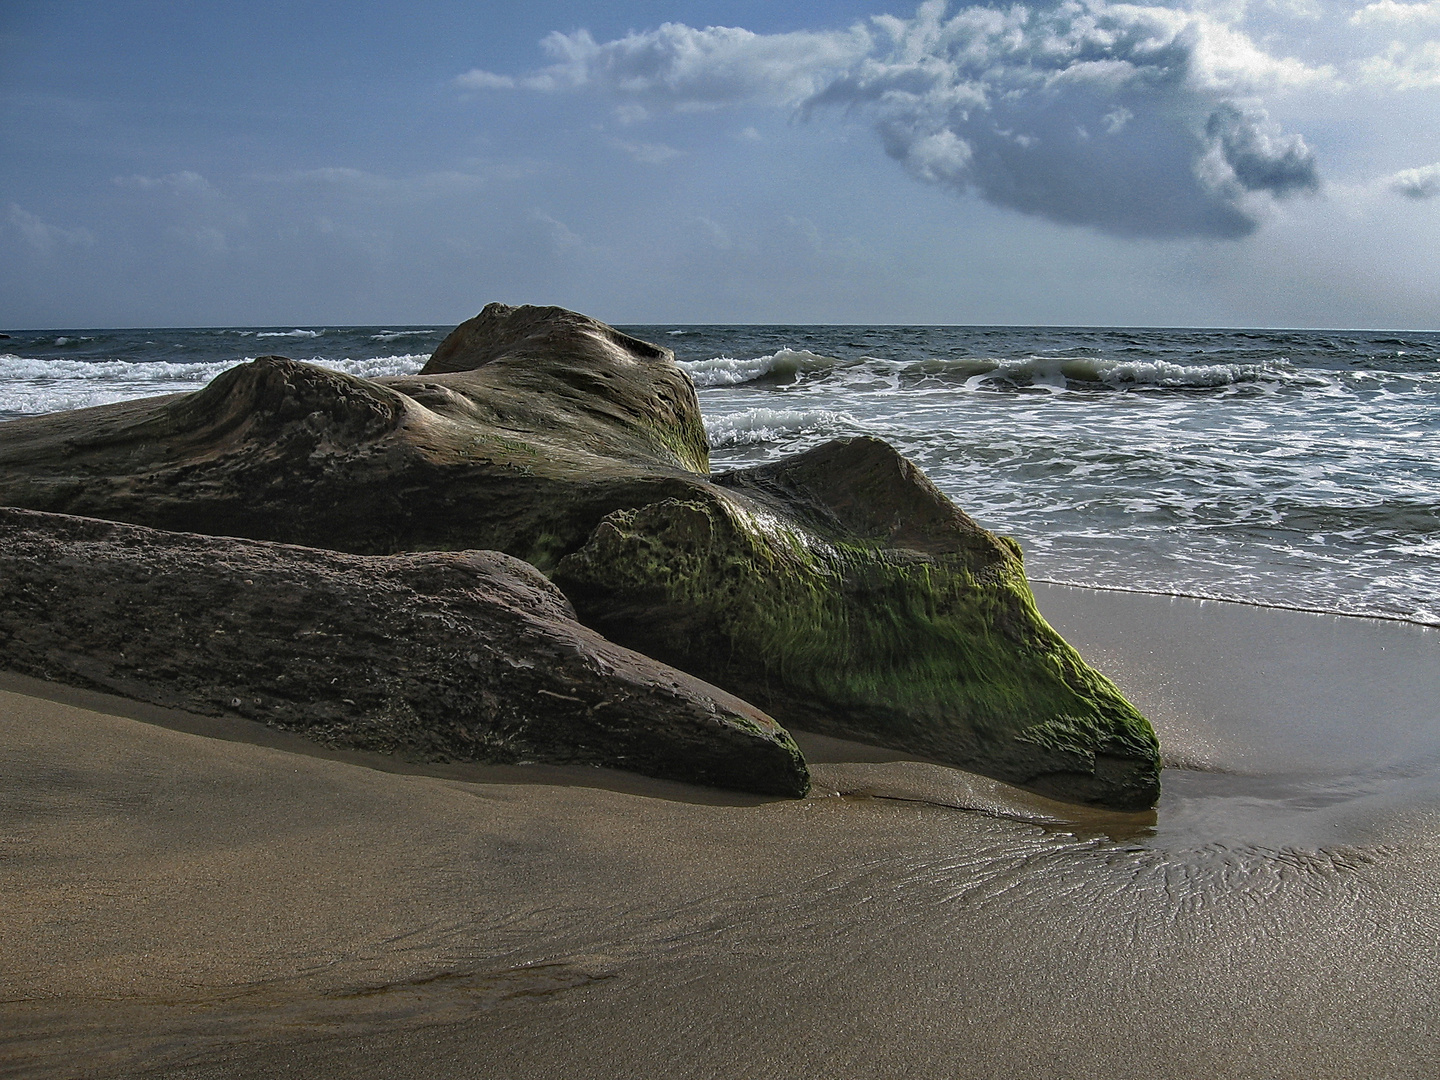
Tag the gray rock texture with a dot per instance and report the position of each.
(438, 656)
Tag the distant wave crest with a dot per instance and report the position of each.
(989, 373)
(30, 386)
(391, 335)
(1088, 372)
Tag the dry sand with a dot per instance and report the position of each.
(200, 898)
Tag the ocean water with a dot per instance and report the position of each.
(1288, 468)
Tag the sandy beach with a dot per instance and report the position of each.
(208, 898)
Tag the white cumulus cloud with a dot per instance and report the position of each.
(1421, 183)
(1136, 120)
(680, 67)
(1387, 13)
(1403, 66)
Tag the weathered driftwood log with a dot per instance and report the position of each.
(441, 656)
(839, 587)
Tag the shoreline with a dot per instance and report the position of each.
(1269, 604)
(209, 898)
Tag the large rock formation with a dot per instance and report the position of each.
(559, 420)
(441, 656)
(843, 592)
(839, 587)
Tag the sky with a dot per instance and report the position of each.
(1266, 163)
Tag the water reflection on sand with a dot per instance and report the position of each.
(197, 907)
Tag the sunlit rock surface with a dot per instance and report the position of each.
(839, 588)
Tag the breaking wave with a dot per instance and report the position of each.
(987, 373)
(754, 427)
(782, 366)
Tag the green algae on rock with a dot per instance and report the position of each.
(843, 593)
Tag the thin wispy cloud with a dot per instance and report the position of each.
(361, 182)
(1138, 121)
(186, 182)
(648, 153)
(44, 237)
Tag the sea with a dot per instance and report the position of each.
(1289, 468)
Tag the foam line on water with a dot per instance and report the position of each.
(31, 386)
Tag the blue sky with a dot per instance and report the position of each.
(1231, 163)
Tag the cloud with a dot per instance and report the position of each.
(358, 182)
(46, 238)
(680, 67)
(561, 236)
(1410, 59)
(648, 153)
(1403, 66)
(181, 183)
(1252, 153)
(1135, 120)
(484, 80)
(1422, 183)
(1391, 13)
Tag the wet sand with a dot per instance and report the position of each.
(206, 898)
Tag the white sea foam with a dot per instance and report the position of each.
(1094, 372)
(1275, 467)
(405, 364)
(756, 426)
(368, 368)
(30, 386)
(28, 368)
(289, 333)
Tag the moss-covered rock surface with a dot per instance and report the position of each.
(769, 589)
